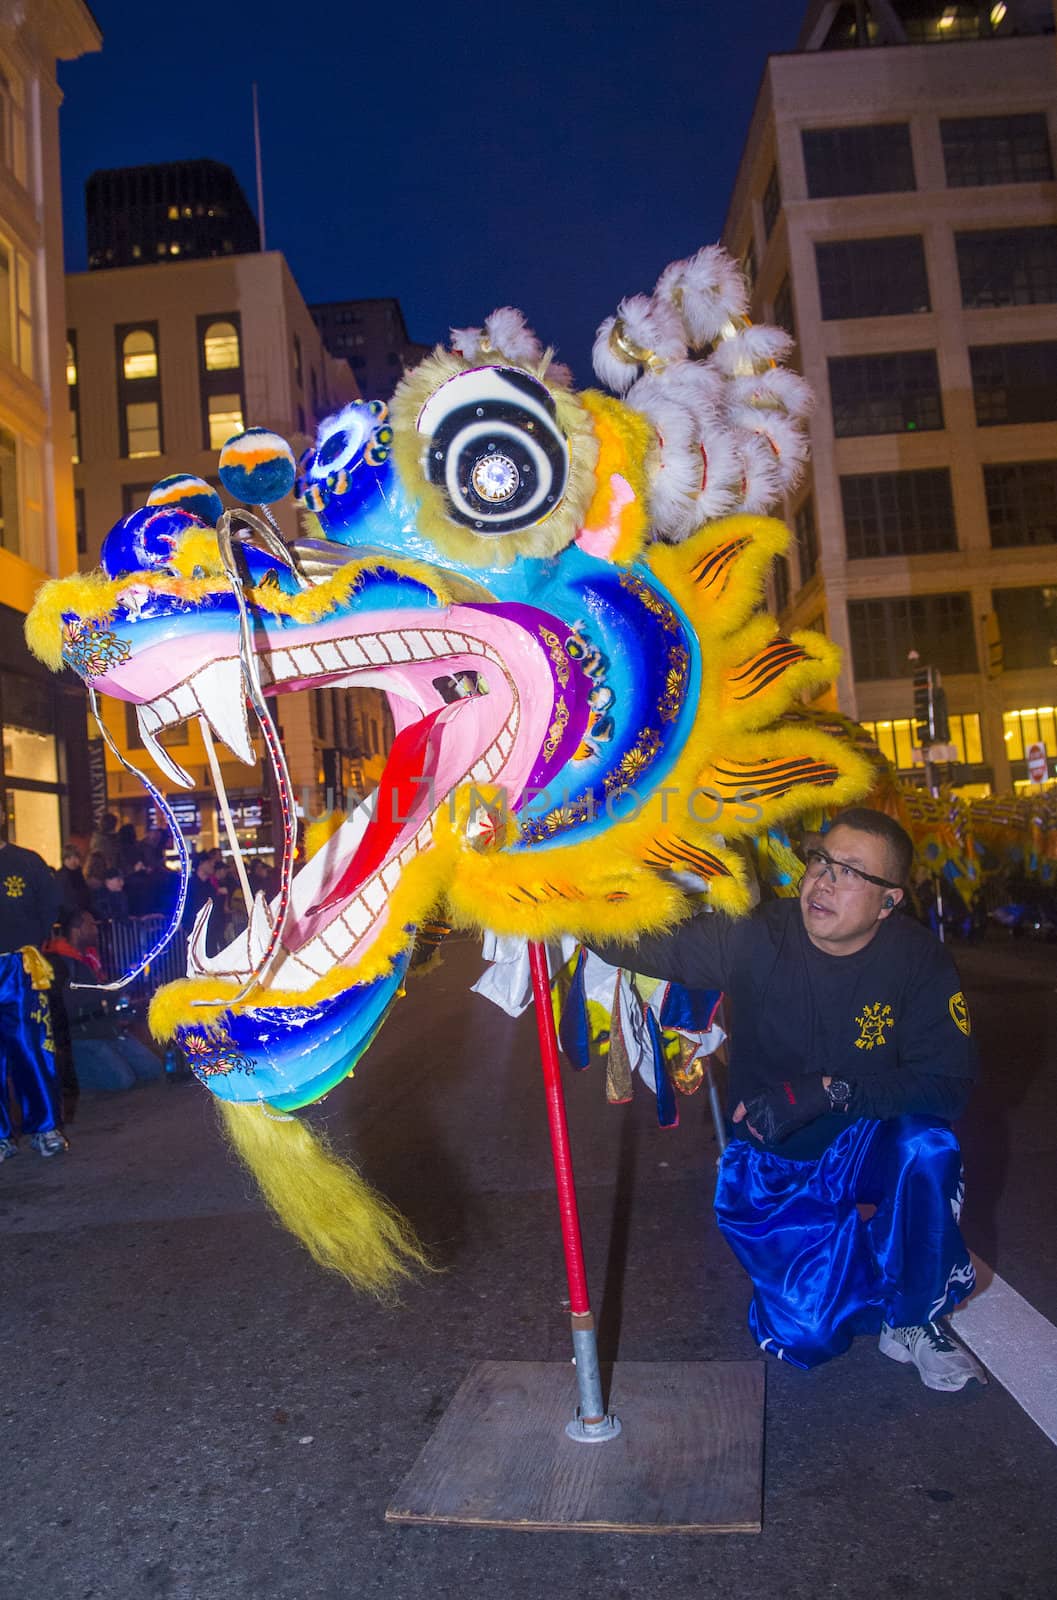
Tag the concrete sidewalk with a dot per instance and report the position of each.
(192, 1409)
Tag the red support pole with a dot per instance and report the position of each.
(579, 1303)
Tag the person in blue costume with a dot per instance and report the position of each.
(851, 1054)
(29, 899)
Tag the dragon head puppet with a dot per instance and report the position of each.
(559, 592)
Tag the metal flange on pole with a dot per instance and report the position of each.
(591, 1424)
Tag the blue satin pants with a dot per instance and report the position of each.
(820, 1273)
(27, 1061)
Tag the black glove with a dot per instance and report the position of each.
(774, 1116)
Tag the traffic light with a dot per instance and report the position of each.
(931, 723)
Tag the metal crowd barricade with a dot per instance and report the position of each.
(122, 944)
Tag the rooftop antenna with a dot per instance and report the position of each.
(260, 175)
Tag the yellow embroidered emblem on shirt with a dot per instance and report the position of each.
(872, 1024)
(14, 886)
(960, 1012)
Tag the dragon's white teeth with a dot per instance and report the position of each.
(259, 931)
(222, 697)
(162, 758)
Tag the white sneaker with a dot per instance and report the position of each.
(50, 1143)
(941, 1361)
(8, 1147)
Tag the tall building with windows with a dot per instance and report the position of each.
(172, 211)
(896, 209)
(372, 336)
(163, 366)
(43, 765)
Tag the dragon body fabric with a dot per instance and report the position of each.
(559, 593)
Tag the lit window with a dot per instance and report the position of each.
(161, 247)
(174, 249)
(71, 364)
(143, 429)
(16, 308)
(221, 346)
(187, 211)
(139, 354)
(1034, 725)
(174, 212)
(12, 123)
(225, 419)
(137, 251)
(895, 739)
(24, 316)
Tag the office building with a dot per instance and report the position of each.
(372, 337)
(896, 210)
(173, 211)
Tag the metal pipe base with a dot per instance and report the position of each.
(598, 1431)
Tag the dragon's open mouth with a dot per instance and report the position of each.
(473, 703)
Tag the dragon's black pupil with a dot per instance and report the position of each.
(332, 448)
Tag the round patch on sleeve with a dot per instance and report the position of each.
(959, 1011)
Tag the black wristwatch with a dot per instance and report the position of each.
(839, 1093)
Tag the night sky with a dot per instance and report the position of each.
(460, 156)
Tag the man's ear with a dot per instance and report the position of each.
(891, 901)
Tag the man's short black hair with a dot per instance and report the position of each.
(69, 920)
(900, 845)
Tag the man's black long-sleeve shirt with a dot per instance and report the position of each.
(891, 1019)
(29, 898)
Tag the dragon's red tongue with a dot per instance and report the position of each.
(412, 758)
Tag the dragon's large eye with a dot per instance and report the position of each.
(495, 449)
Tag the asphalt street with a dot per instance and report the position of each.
(191, 1409)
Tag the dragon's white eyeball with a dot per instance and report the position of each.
(495, 449)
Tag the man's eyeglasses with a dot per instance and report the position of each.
(843, 875)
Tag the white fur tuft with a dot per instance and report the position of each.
(509, 336)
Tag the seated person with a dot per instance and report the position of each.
(104, 1056)
(850, 1057)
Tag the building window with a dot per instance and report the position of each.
(221, 351)
(895, 739)
(772, 202)
(1008, 267)
(782, 586)
(1021, 502)
(220, 378)
(806, 540)
(1014, 383)
(782, 311)
(79, 522)
(10, 520)
(13, 123)
(16, 308)
(978, 150)
(872, 277)
(1027, 621)
(224, 419)
(938, 626)
(299, 376)
(142, 429)
(1033, 725)
(897, 513)
(871, 160)
(139, 354)
(897, 393)
(73, 393)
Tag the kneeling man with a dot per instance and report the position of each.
(850, 1056)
